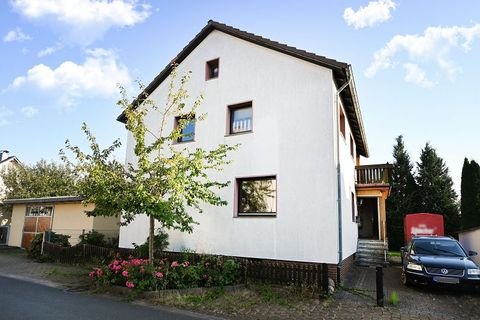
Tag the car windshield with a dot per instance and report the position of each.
(438, 247)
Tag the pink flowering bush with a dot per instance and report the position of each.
(138, 274)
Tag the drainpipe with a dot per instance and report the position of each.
(339, 177)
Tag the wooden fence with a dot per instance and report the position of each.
(314, 275)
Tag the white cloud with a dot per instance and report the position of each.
(433, 46)
(414, 74)
(373, 14)
(84, 21)
(98, 75)
(49, 50)
(5, 114)
(29, 111)
(16, 35)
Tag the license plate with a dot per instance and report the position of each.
(446, 280)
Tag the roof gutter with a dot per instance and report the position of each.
(339, 176)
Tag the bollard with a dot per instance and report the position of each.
(379, 276)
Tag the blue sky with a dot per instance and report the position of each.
(415, 64)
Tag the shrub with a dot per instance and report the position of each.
(35, 250)
(160, 243)
(93, 238)
(138, 274)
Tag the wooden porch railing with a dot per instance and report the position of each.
(373, 174)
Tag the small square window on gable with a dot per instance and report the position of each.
(187, 124)
(240, 118)
(212, 69)
(342, 123)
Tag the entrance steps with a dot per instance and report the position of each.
(371, 253)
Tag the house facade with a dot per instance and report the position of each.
(63, 215)
(297, 120)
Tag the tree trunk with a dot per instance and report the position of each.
(151, 234)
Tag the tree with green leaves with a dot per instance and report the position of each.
(401, 200)
(435, 189)
(167, 181)
(43, 179)
(470, 195)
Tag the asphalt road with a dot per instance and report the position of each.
(25, 300)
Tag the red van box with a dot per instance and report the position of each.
(423, 224)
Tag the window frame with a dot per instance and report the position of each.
(209, 65)
(28, 211)
(238, 197)
(176, 120)
(230, 113)
(342, 123)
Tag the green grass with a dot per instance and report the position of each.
(394, 253)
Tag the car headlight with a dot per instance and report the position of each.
(414, 266)
(473, 272)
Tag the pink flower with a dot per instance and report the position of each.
(159, 275)
(99, 272)
(125, 273)
(91, 274)
(174, 264)
(124, 263)
(115, 262)
(129, 284)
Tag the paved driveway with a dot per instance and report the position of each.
(414, 302)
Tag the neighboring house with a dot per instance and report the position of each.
(63, 215)
(297, 119)
(6, 164)
(470, 240)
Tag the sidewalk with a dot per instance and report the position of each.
(15, 264)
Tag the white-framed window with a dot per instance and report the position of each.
(257, 196)
(39, 211)
(188, 130)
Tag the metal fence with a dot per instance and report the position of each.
(75, 235)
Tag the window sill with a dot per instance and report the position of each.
(238, 133)
(256, 215)
(214, 78)
(183, 142)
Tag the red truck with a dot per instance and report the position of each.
(423, 224)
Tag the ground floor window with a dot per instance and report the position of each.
(257, 196)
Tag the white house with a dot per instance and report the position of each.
(297, 119)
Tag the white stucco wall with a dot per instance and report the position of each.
(470, 240)
(294, 134)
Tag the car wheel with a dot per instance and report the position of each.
(406, 279)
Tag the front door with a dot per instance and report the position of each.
(368, 214)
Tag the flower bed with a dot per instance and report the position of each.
(140, 275)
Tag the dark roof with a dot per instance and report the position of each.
(43, 200)
(341, 72)
(9, 158)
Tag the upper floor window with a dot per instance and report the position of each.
(342, 123)
(212, 69)
(39, 211)
(240, 118)
(187, 123)
(352, 147)
(257, 196)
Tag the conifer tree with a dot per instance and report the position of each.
(401, 199)
(435, 189)
(470, 195)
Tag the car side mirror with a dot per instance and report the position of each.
(472, 253)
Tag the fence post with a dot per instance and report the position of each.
(379, 276)
(83, 245)
(43, 241)
(325, 278)
(49, 238)
(245, 272)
